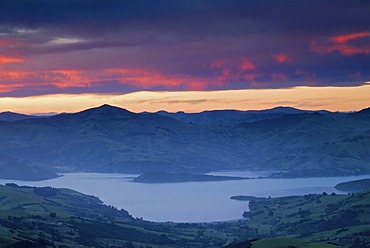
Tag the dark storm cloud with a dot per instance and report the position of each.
(178, 43)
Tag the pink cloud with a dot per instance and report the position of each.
(246, 65)
(237, 70)
(68, 78)
(8, 88)
(148, 79)
(7, 59)
(282, 58)
(63, 79)
(348, 37)
(60, 79)
(341, 44)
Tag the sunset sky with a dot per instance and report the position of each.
(64, 56)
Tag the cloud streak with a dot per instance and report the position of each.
(6, 59)
(342, 44)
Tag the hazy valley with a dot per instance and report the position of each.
(287, 151)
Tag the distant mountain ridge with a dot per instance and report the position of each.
(11, 116)
(112, 139)
(106, 109)
(224, 117)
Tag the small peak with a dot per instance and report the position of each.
(106, 106)
(284, 110)
(106, 109)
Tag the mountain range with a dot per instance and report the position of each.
(110, 139)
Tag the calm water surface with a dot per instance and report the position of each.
(186, 202)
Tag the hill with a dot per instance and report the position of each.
(28, 172)
(354, 186)
(165, 177)
(229, 117)
(342, 220)
(10, 116)
(111, 139)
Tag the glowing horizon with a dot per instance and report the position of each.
(342, 99)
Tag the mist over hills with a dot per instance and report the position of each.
(112, 139)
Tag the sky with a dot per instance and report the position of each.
(184, 55)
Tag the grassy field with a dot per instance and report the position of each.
(340, 219)
(289, 242)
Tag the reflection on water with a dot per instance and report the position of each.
(186, 202)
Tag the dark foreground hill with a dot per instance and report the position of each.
(111, 139)
(341, 220)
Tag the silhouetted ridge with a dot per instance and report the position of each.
(108, 109)
(11, 116)
(284, 110)
(105, 111)
(230, 117)
(365, 111)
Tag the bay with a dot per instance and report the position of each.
(187, 202)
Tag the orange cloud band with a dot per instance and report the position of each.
(310, 98)
(6, 59)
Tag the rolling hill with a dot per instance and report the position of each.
(342, 220)
(354, 186)
(112, 139)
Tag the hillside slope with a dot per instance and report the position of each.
(111, 139)
(339, 219)
(50, 217)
